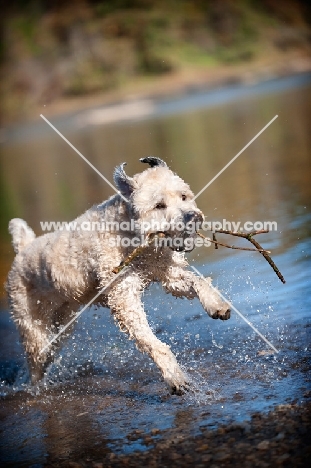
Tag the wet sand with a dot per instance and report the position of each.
(62, 427)
(279, 438)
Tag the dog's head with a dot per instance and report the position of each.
(161, 202)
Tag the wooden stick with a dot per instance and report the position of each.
(249, 237)
(149, 239)
(268, 258)
(132, 255)
(216, 242)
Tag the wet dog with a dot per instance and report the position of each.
(53, 275)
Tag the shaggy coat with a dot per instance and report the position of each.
(53, 275)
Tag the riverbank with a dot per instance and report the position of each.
(277, 439)
(179, 83)
(59, 59)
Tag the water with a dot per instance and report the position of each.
(101, 394)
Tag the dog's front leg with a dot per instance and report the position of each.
(184, 283)
(125, 303)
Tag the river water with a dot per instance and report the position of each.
(101, 395)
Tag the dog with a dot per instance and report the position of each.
(53, 275)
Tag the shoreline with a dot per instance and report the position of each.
(173, 85)
(278, 438)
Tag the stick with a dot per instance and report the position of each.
(249, 237)
(268, 258)
(216, 242)
(149, 239)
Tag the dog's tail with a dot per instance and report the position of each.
(21, 233)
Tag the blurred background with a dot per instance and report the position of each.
(57, 52)
(191, 82)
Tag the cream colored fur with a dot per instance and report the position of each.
(53, 275)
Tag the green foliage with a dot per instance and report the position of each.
(52, 49)
(25, 28)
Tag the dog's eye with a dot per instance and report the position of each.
(184, 197)
(160, 206)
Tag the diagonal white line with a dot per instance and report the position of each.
(81, 311)
(235, 157)
(83, 157)
(238, 312)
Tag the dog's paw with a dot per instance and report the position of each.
(177, 382)
(221, 314)
(180, 389)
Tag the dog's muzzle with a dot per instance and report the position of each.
(193, 217)
(193, 221)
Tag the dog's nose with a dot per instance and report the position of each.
(193, 216)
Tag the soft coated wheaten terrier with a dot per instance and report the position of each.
(53, 275)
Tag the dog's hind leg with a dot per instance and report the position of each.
(56, 317)
(125, 303)
(25, 312)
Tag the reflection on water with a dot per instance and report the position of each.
(44, 179)
(118, 399)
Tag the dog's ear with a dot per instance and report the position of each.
(153, 162)
(124, 183)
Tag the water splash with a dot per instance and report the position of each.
(200, 392)
(214, 342)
